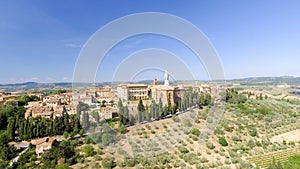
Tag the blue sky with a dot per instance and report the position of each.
(41, 40)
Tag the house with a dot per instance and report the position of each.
(104, 94)
(42, 145)
(45, 111)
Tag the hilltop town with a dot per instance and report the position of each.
(135, 124)
(104, 99)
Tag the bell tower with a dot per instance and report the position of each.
(167, 83)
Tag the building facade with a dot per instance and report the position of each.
(133, 91)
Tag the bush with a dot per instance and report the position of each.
(148, 127)
(202, 115)
(108, 162)
(62, 166)
(66, 135)
(223, 142)
(236, 138)
(88, 150)
(203, 160)
(187, 123)
(190, 158)
(210, 145)
(183, 149)
(130, 162)
(251, 143)
(218, 131)
(107, 138)
(195, 131)
(253, 132)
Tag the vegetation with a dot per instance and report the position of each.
(234, 97)
(27, 159)
(63, 150)
(35, 127)
(88, 150)
(223, 141)
(108, 162)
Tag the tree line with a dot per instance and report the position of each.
(35, 127)
(157, 111)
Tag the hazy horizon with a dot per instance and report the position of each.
(150, 80)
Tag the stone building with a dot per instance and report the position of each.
(133, 91)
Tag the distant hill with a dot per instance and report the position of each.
(20, 84)
(29, 86)
(32, 86)
(290, 80)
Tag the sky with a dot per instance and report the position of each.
(41, 40)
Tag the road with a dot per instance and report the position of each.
(17, 157)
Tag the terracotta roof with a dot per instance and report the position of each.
(42, 140)
(39, 141)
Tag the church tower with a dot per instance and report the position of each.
(166, 78)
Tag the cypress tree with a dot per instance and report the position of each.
(11, 128)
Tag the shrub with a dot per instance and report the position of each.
(236, 138)
(187, 123)
(183, 149)
(210, 145)
(88, 150)
(66, 135)
(62, 166)
(148, 127)
(195, 131)
(195, 138)
(120, 164)
(190, 158)
(108, 163)
(107, 138)
(203, 160)
(202, 115)
(130, 162)
(228, 128)
(227, 161)
(218, 131)
(223, 142)
(251, 143)
(253, 132)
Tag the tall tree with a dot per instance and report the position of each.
(11, 128)
(152, 109)
(96, 116)
(141, 107)
(169, 105)
(160, 107)
(120, 111)
(165, 111)
(126, 115)
(85, 120)
(140, 116)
